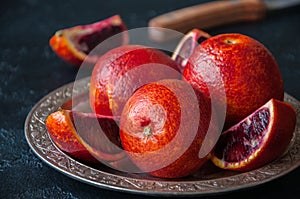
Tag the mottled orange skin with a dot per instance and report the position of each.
(155, 109)
(279, 134)
(65, 42)
(248, 71)
(62, 132)
(119, 72)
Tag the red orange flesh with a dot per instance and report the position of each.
(187, 45)
(74, 44)
(86, 136)
(258, 139)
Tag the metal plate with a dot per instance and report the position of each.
(209, 180)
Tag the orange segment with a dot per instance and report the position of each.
(99, 134)
(74, 44)
(187, 45)
(87, 137)
(258, 139)
(62, 132)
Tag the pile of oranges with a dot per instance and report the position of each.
(220, 100)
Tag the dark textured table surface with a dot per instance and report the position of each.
(29, 70)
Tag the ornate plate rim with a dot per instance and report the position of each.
(42, 145)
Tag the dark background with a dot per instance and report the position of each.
(29, 70)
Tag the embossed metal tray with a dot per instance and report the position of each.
(209, 180)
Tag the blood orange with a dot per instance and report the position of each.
(187, 45)
(86, 136)
(119, 72)
(98, 134)
(74, 44)
(236, 70)
(167, 130)
(62, 132)
(258, 139)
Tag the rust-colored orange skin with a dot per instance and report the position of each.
(119, 72)
(61, 131)
(250, 74)
(279, 134)
(64, 41)
(144, 110)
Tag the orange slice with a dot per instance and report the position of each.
(62, 133)
(187, 45)
(85, 136)
(258, 139)
(99, 134)
(75, 44)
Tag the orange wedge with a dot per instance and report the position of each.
(187, 45)
(257, 140)
(75, 45)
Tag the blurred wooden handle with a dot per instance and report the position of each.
(207, 15)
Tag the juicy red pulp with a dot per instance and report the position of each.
(237, 144)
(93, 129)
(86, 43)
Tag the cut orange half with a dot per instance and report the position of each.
(258, 139)
(75, 44)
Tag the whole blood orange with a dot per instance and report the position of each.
(75, 44)
(163, 127)
(119, 72)
(239, 67)
(258, 139)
